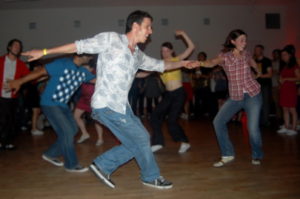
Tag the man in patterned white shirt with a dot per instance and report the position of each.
(119, 58)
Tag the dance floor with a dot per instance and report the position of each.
(25, 175)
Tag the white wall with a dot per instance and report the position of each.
(55, 26)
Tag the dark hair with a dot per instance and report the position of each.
(138, 17)
(276, 50)
(11, 42)
(292, 61)
(92, 63)
(33, 64)
(233, 35)
(169, 46)
(260, 46)
(203, 53)
(292, 48)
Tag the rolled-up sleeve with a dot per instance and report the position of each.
(151, 64)
(95, 45)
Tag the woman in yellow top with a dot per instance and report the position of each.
(173, 100)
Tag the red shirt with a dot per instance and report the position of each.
(21, 70)
(239, 75)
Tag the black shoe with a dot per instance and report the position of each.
(159, 183)
(102, 175)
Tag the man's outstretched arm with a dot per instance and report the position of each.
(36, 54)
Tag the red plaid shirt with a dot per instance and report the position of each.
(239, 75)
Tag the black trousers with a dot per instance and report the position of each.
(149, 104)
(172, 104)
(8, 120)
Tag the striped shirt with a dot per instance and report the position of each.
(239, 75)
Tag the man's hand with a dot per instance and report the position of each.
(191, 64)
(12, 85)
(33, 54)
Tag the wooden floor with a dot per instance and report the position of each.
(24, 175)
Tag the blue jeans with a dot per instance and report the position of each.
(64, 125)
(135, 143)
(252, 107)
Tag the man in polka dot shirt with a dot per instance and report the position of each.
(66, 75)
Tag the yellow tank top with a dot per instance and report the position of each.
(171, 74)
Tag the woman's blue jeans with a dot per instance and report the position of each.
(252, 106)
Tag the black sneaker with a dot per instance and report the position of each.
(159, 183)
(78, 169)
(54, 161)
(102, 175)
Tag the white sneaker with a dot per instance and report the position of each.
(283, 130)
(283, 126)
(37, 132)
(23, 128)
(184, 147)
(99, 142)
(291, 132)
(155, 148)
(256, 161)
(224, 161)
(184, 116)
(83, 137)
(78, 169)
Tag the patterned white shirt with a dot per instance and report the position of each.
(116, 68)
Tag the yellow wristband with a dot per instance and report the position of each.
(45, 51)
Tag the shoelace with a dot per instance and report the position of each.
(160, 178)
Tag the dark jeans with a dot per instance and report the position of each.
(266, 92)
(171, 104)
(149, 104)
(8, 120)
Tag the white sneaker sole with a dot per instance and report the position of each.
(77, 171)
(158, 187)
(54, 163)
(101, 177)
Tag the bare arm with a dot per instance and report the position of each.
(268, 74)
(179, 64)
(16, 84)
(255, 67)
(209, 63)
(190, 45)
(292, 79)
(36, 54)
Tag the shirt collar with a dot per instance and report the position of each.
(125, 42)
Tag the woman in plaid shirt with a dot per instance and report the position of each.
(244, 92)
